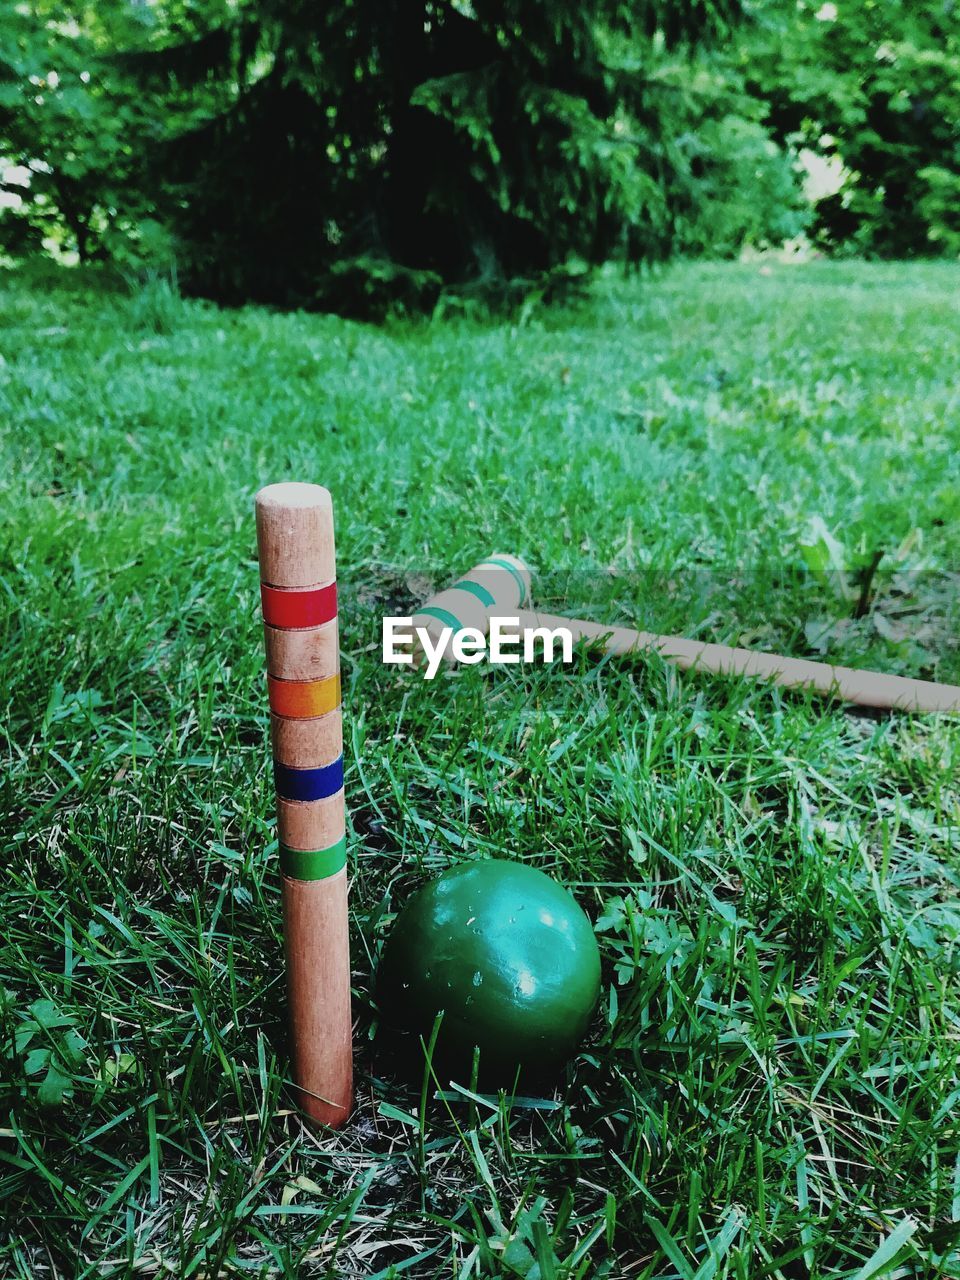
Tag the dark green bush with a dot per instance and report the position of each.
(371, 150)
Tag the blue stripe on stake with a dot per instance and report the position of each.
(475, 589)
(521, 585)
(308, 784)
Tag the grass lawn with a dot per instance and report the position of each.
(771, 1084)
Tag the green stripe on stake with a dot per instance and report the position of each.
(313, 864)
(505, 564)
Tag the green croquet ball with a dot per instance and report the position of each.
(509, 957)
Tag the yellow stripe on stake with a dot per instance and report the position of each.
(303, 699)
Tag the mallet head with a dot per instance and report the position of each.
(498, 587)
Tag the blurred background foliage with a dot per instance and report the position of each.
(361, 154)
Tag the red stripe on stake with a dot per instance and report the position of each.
(296, 610)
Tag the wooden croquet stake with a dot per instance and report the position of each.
(299, 599)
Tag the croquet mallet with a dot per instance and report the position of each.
(500, 587)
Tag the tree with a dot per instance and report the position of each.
(68, 132)
(331, 154)
(876, 86)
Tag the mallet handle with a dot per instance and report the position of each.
(868, 688)
(299, 597)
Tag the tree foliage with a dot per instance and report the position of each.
(727, 183)
(355, 153)
(877, 87)
(356, 148)
(68, 154)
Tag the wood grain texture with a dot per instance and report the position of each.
(317, 948)
(295, 539)
(307, 744)
(314, 824)
(866, 688)
(295, 535)
(303, 655)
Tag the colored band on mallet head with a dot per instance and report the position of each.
(313, 864)
(296, 610)
(497, 587)
(302, 699)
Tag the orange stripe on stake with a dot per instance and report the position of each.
(303, 699)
